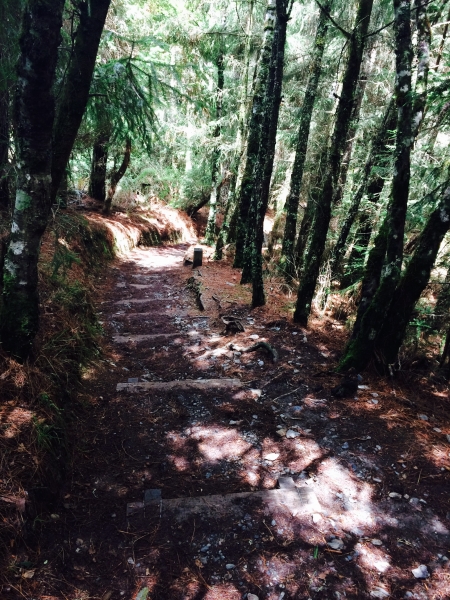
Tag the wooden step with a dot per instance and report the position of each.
(288, 499)
(181, 384)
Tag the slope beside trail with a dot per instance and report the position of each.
(366, 500)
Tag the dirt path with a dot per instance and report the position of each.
(369, 501)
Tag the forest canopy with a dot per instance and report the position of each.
(331, 117)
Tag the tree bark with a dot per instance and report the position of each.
(359, 351)
(75, 95)
(210, 233)
(4, 148)
(222, 238)
(253, 135)
(97, 180)
(34, 116)
(117, 176)
(293, 198)
(252, 268)
(324, 198)
(413, 281)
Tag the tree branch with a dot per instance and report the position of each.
(345, 33)
(380, 29)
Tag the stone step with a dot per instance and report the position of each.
(181, 384)
(288, 499)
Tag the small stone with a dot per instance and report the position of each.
(406, 496)
(281, 432)
(379, 592)
(260, 363)
(374, 401)
(254, 336)
(376, 480)
(336, 544)
(271, 456)
(252, 597)
(421, 572)
(447, 435)
(130, 561)
(316, 518)
(374, 394)
(295, 411)
(423, 417)
(363, 387)
(344, 446)
(291, 434)
(394, 495)
(229, 566)
(376, 542)
(273, 523)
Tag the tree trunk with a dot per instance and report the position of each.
(291, 207)
(442, 307)
(117, 176)
(252, 266)
(413, 281)
(348, 150)
(227, 217)
(423, 64)
(34, 115)
(75, 94)
(97, 181)
(253, 135)
(210, 234)
(4, 147)
(359, 350)
(324, 198)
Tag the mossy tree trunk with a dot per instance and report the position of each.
(359, 351)
(324, 197)
(4, 147)
(210, 234)
(293, 198)
(34, 116)
(413, 281)
(97, 180)
(222, 238)
(253, 135)
(442, 306)
(252, 267)
(75, 94)
(117, 176)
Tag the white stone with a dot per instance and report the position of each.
(291, 434)
(379, 592)
(252, 597)
(336, 544)
(316, 518)
(421, 572)
(423, 417)
(271, 456)
(376, 542)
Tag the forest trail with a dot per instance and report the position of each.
(364, 503)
